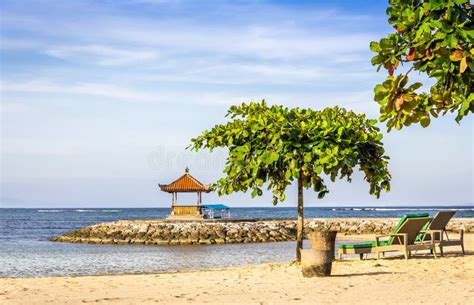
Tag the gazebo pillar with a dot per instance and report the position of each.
(175, 199)
(198, 198)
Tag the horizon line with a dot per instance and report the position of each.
(256, 207)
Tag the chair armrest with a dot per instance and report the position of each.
(434, 231)
(391, 235)
(403, 235)
(387, 235)
(432, 235)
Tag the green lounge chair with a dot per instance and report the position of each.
(437, 229)
(393, 242)
(405, 239)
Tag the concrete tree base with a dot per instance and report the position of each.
(317, 261)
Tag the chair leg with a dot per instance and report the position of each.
(361, 256)
(441, 250)
(378, 255)
(434, 252)
(462, 248)
(406, 253)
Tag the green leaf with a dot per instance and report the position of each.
(451, 41)
(322, 194)
(425, 121)
(415, 86)
(340, 131)
(374, 46)
(380, 93)
(385, 43)
(464, 106)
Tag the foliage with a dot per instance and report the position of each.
(277, 145)
(436, 37)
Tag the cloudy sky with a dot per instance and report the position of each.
(99, 99)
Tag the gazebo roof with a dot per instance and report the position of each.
(185, 184)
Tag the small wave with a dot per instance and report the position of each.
(356, 209)
(84, 211)
(49, 211)
(401, 209)
(450, 209)
(424, 209)
(110, 211)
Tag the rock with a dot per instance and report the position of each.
(159, 232)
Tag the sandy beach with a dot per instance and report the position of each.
(422, 279)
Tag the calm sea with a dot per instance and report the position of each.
(26, 252)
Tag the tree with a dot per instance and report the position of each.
(273, 146)
(433, 37)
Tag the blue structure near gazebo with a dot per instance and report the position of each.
(212, 211)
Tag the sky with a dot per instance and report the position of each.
(99, 99)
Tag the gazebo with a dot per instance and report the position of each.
(185, 184)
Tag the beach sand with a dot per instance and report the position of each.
(422, 279)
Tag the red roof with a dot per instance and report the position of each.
(185, 183)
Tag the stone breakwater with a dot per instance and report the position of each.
(162, 232)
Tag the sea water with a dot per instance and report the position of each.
(25, 249)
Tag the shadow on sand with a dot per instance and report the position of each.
(365, 273)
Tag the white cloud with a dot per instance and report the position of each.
(8, 43)
(263, 42)
(288, 34)
(8, 107)
(218, 72)
(95, 89)
(359, 101)
(159, 2)
(29, 146)
(103, 55)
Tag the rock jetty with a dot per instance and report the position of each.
(163, 232)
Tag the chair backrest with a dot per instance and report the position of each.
(407, 216)
(441, 219)
(411, 226)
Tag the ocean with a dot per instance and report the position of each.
(25, 249)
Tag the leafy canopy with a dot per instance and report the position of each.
(277, 145)
(436, 37)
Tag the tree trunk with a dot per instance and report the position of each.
(300, 221)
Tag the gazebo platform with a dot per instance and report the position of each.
(185, 217)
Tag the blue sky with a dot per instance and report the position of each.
(100, 98)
